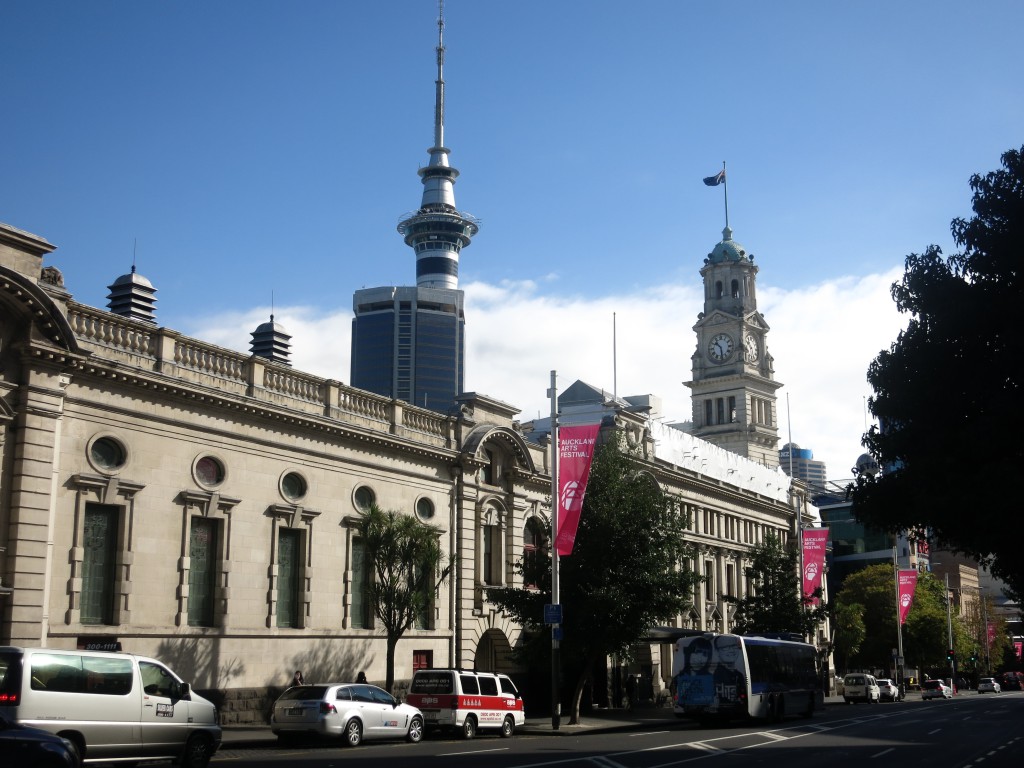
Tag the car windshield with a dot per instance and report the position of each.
(304, 693)
(932, 684)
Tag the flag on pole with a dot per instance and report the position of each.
(906, 584)
(714, 181)
(575, 453)
(815, 541)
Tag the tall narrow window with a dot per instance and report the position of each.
(202, 574)
(534, 553)
(427, 608)
(360, 586)
(720, 410)
(732, 409)
(289, 560)
(98, 564)
(488, 554)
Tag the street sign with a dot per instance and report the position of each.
(553, 613)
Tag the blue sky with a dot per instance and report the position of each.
(245, 149)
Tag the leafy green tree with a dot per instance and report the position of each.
(775, 604)
(628, 571)
(949, 387)
(408, 567)
(848, 632)
(925, 633)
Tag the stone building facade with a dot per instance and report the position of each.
(197, 504)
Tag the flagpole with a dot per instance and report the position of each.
(725, 183)
(556, 629)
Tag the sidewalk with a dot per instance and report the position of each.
(243, 736)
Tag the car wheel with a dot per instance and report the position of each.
(508, 726)
(354, 733)
(198, 751)
(469, 727)
(415, 734)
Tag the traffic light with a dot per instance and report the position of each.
(950, 655)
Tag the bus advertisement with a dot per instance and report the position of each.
(718, 676)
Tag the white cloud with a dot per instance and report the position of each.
(822, 338)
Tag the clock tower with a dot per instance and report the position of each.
(733, 387)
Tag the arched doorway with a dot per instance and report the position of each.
(494, 653)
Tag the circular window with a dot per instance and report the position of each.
(209, 471)
(424, 509)
(364, 498)
(107, 454)
(294, 486)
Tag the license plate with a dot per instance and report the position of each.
(294, 712)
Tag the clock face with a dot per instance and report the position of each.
(720, 347)
(750, 348)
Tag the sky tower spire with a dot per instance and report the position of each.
(437, 231)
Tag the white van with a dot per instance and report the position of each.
(466, 700)
(858, 686)
(111, 706)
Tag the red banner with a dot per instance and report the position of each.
(575, 452)
(907, 583)
(815, 541)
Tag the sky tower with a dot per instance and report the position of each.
(408, 342)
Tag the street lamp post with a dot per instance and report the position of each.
(984, 629)
(949, 625)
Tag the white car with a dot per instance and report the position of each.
(889, 690)
(352, 711)
(935, 689)
(989, 685)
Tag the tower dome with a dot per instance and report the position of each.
(132, 296)
(270, 341)
(728, 250)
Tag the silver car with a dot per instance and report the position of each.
(989, 685)
(352, 711)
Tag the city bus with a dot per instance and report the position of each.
(720, 677)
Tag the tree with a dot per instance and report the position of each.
(925, 633)
(628, 571)
(848, 632)
(775, 604)
(408, 567)
(947, 391)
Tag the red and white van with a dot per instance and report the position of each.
(467, 701)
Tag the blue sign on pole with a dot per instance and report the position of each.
(553, 613)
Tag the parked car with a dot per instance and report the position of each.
(989, 685)
(467, 701)
(935, 689)
(26, 747)
(859, 686)
(352, 711)
(888, 689)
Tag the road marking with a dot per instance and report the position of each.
(773, 736)
(474, 752)
(648, 733)
(884, 752)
